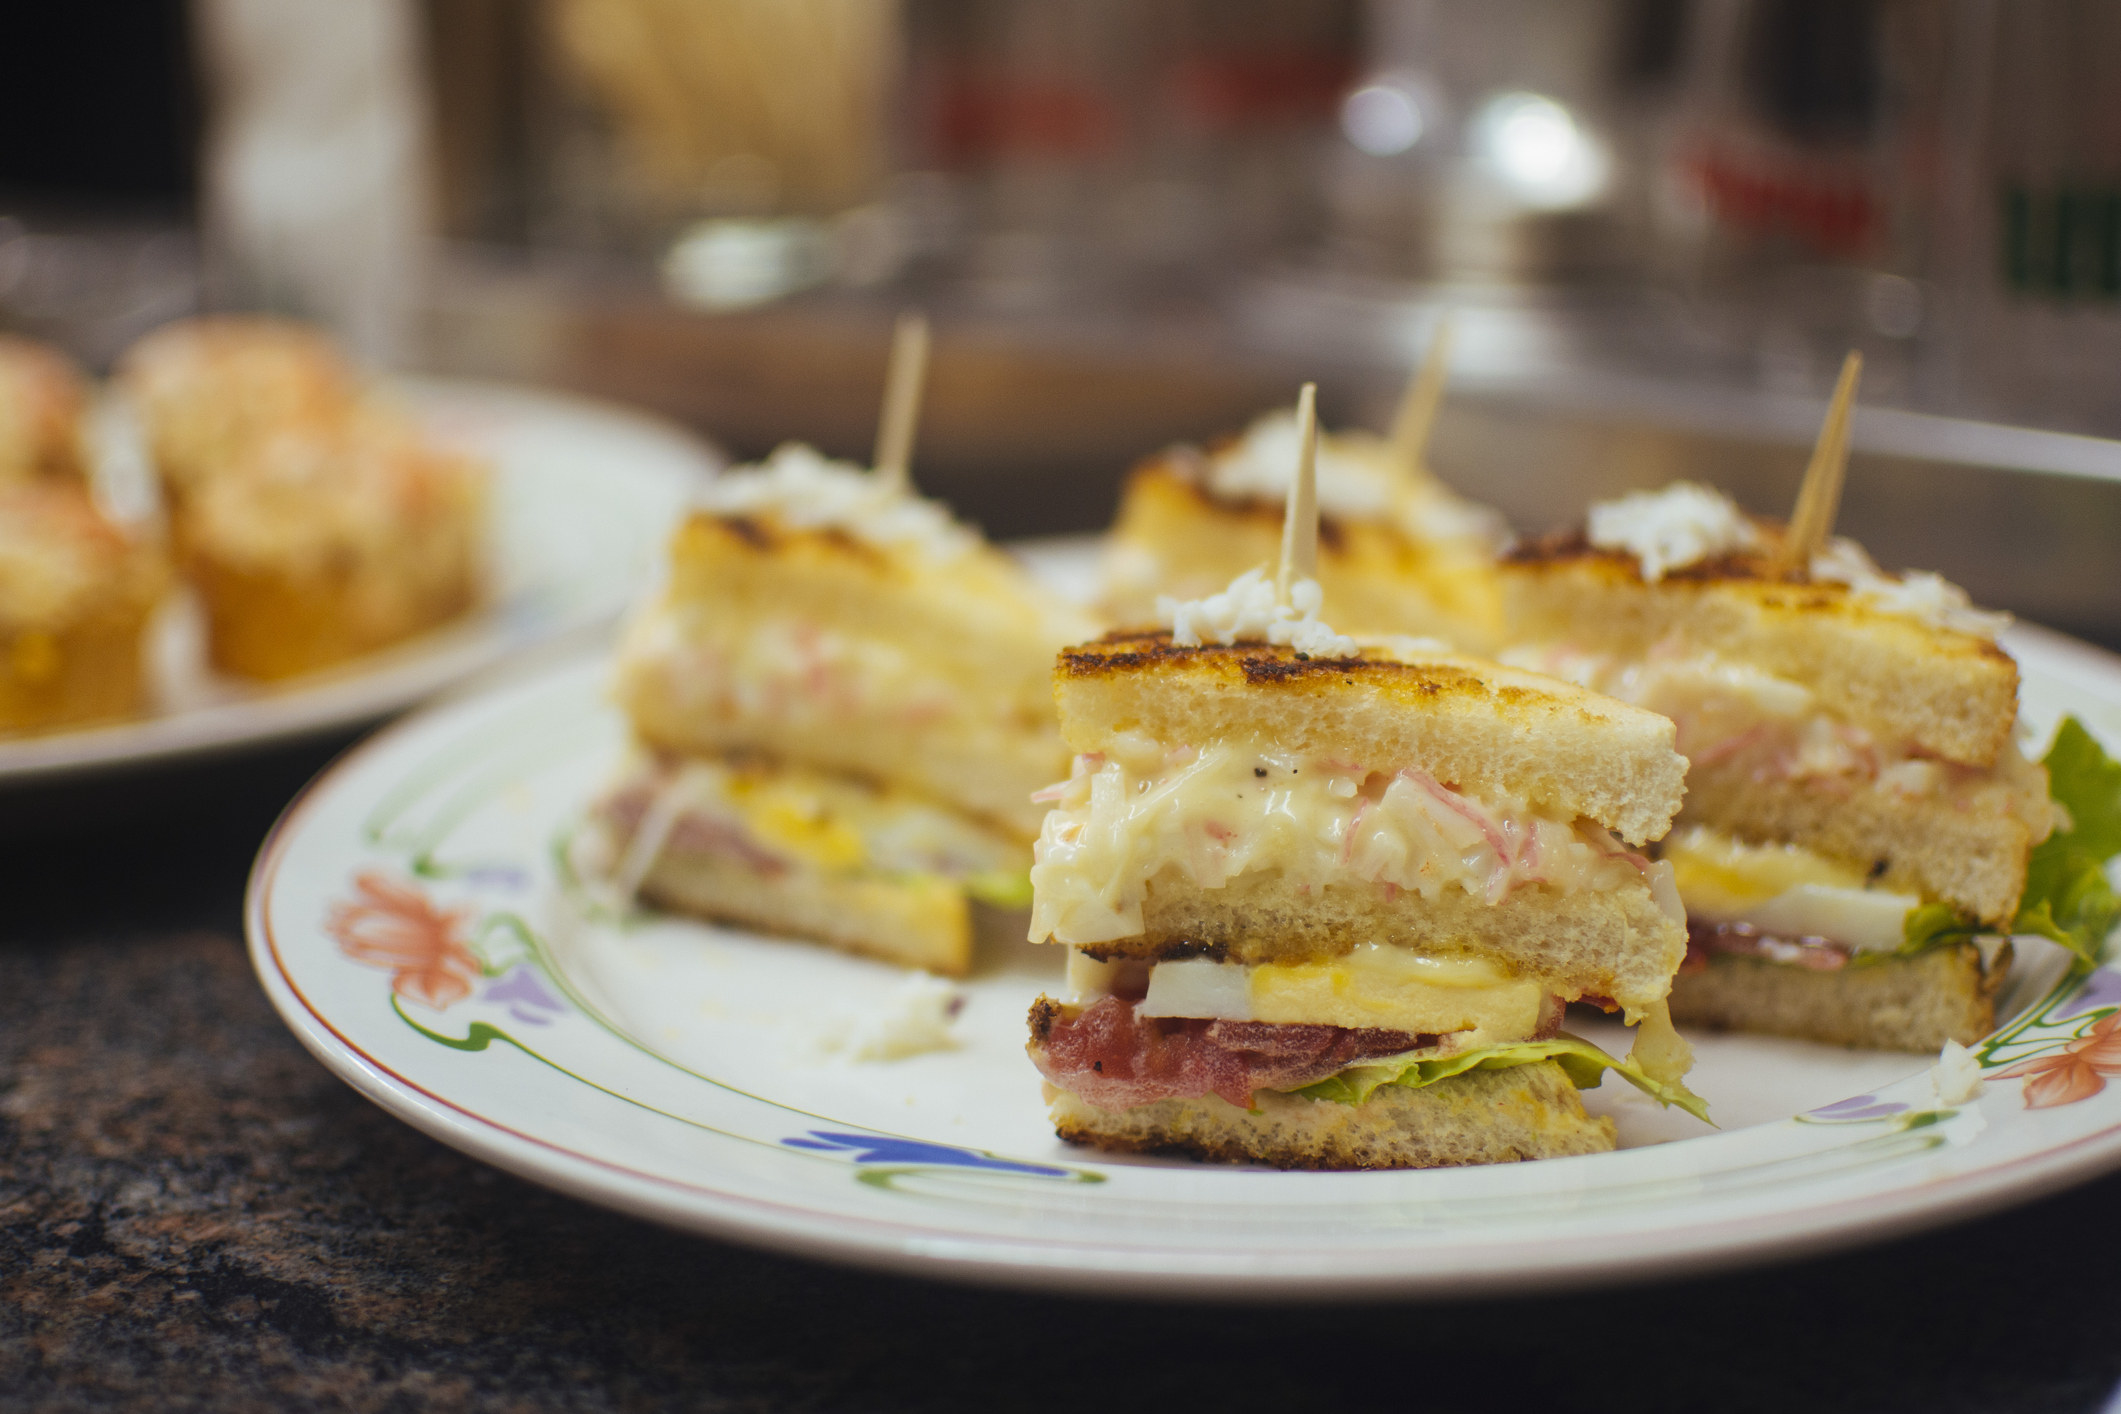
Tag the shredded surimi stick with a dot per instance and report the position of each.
(665, 809)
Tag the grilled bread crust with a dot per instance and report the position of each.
(1491, 731)
(1173, 537)
(1900, 1004)
(1970, 853)
(922, 921)
(1953, 694)
(1614, 945)
(1479, 1117)
(968, 645)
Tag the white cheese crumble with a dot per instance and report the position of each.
(1956, 1075)
(1924, 597)
(1249, 609)
(914, 1018)
(806, 490)
(1666, 530)
(1261, 463)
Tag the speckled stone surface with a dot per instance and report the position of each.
(195, 1215)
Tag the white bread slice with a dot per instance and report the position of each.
(1491, 731)
(1953, 694)
(813, 645)
(1173, 536)
(1617, 944)
(1900, 1004)
(1968, 847)
(914, 920)
(1479, 1117)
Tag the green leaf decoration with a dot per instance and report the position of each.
(2067, 895)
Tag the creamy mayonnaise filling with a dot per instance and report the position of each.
(1217, 811)
(1469, 999)
(785, 668)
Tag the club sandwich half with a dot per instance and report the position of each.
(1325, 902)
(1859, 817)
(841, 703)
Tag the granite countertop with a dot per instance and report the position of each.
(195, 1215)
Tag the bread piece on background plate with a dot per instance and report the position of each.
(43, 399)
(320, 544)
(76, 594)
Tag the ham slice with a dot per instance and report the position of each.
(1115, 1058)
(1704, 939)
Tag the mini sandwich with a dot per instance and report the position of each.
(841, 698)
(1857, 807)
(1325, 903)
(1399, 552)
(42, 399)
(76, 594)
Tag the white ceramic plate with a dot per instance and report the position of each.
(410, 922)
(583, 494)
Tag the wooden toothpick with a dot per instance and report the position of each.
(902, 400)
(1819, 499)
(1416, 417)
(1299, 520)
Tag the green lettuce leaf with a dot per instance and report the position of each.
(1584, 1063)
(2067, 895)
(1933, 925)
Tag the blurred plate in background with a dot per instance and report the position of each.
(582, 495)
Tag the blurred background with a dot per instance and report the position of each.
(1661, 224)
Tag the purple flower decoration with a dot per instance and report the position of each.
(504, 876)
(1858, 1107)
(527, 999)
(2102, 988)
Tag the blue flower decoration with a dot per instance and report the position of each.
(891, 1149)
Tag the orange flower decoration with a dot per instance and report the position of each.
(393, 925)
(2076, 1072)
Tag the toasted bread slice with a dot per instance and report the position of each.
(1897, 1004)
(1485, 729)
(1612, 945)
(1952, 694)
(1176, 536)
(1479, 1117)
(888, 660)
(916, 920)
